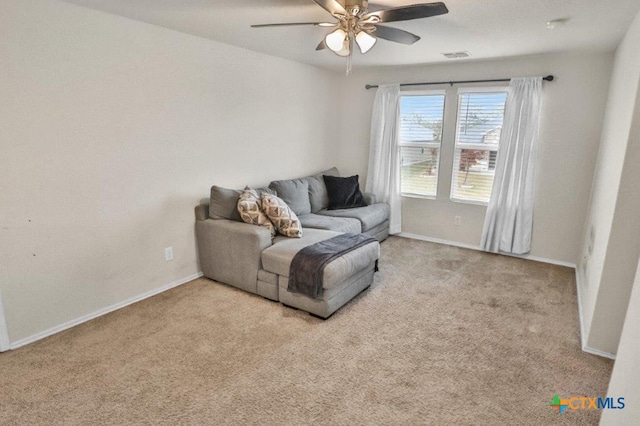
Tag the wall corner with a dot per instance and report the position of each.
(5, 343)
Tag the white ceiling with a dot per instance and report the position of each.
(486, 29)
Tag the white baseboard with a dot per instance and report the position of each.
(598, 352)
(583, 336)
(472, 247)
(103, 311)
(436, 240)
(5, 343)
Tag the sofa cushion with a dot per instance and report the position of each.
(380, 232)
(282, 217)
(370, 216)
(224, 203)
(344, 193)
(251, 211)
(318, 197)
(277, 258)
(295, 193)
(337, 224)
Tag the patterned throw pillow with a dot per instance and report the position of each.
(251, 212)
(284, 219)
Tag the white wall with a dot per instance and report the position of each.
(573, 107)
(606, 274)
(111, 131)
(626, 371)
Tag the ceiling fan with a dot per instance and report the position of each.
(354, 23)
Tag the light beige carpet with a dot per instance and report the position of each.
(444, 336)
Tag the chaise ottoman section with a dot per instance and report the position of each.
(343, 278)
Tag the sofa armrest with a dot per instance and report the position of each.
(369, 198)
(202, 211)
(230, 251)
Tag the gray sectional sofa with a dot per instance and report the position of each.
(245, 256)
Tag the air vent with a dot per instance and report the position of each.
(455, 55)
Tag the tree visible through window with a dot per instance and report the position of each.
(478, 127)
(420, 134)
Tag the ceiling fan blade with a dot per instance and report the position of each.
(332, 6)
(405, 13)
(322, 45)
(291, 24)
(394, 34)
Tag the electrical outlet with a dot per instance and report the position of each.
(168, 254)
(456, 220)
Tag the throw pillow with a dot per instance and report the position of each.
(284, 219)
(344, 193)
(251, 212)
(223, 204)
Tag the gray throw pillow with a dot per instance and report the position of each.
(224, 202)
(295, 193)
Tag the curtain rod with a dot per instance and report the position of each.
(371, 86)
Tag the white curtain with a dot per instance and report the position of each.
(509, 218)
(383, 175)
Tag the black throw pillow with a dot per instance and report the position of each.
(344, 192)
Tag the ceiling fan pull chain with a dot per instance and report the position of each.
(350, 38)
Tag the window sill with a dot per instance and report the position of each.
(474, 202)
(419, 196)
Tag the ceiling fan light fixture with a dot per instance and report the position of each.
(365, 41)
(335, 40)
(354, 25)
(346, 49)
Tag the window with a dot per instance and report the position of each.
(421, 117)
(478, 127)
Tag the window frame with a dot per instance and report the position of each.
(475, 147)
(438, 145)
